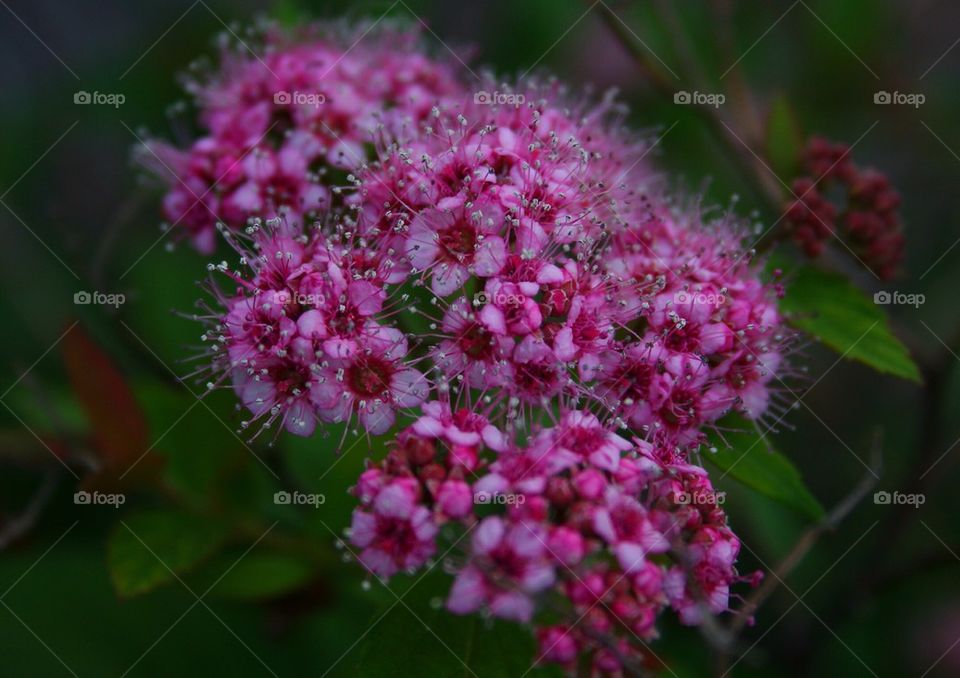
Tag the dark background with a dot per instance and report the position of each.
(880, 595)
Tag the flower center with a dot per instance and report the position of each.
(634, 381)
(369, 376)
(346, 322)
(396, 537)
(289, 380)
(680, 410)
(583, 440)
(536, 380)
(508, 562)
(283, 192)
(626, 521)
(459, 241)
(477, 343)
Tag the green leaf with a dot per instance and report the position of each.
(748, 458)
(256, 575)
(146, 549)
(828, 307)
(207, 464)
(784, 140)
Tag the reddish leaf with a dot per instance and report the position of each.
(118, 423)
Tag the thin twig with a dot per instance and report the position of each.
(803, 545)
(760, 180)
(722, 11)
(934, 369)
(22, 523)
(667, 12)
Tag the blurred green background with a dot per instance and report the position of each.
(880, 595)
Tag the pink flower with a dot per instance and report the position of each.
(588, 329)
(472, 350)
(191, 204)
(509, 563)
(278, 183)
(373, 382)
(456, 243)
(537, 374)
(582, 433)
(269, 388)
(341, 318)
(526, 470)
(397, 535)
(463, 428)
(507, 310)
(623, 523)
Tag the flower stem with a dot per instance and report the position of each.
(760, 178)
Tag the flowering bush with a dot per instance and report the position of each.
(545, 329)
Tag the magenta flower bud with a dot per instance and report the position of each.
(455, 498)
(589, 484)
(566, 545)
(557, 644)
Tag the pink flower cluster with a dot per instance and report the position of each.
(526, 290)
(300, 339)
(578, 515)
(280, 126)
(504, 280)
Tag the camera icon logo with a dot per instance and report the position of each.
(482, 97)
(82, 97)
(882, 297)
(881, 497)
(482, 498)
(282, 498)
(682, 97)
(480, 299)
(882, 97)
(82, 298)
(682, 498)
(82, 497)
(282, 98)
